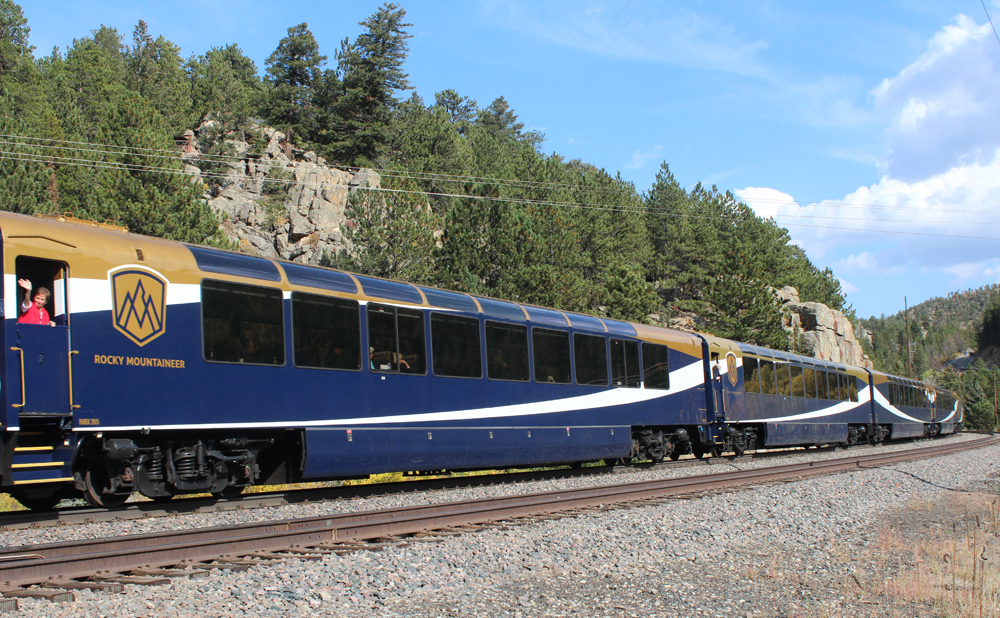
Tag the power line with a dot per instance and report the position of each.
(429, 176)
(29, 157)
(991, 20)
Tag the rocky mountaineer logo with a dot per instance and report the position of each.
(140, 300)
(731, 368)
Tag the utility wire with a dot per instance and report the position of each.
(537, 202)
(428, 176)
(991, 21)
(626, 209)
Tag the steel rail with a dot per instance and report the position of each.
(86, 558)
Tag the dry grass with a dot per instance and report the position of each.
(955, 570)
(9, 504)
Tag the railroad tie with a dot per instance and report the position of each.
(72, 584)
(8, 605)
(56, 596)
(132, 579)
(188, 573)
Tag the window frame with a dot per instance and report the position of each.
(281, 326)
(479, 343)
(607, 368)
(361, 339)
(527, 349)
(646, 367)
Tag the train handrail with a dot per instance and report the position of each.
(69, 361)
(20, 353)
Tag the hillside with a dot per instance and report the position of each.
(940, 330)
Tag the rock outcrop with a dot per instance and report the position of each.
(285, 203)
(820, 331)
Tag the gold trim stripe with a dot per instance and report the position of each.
(34, 449)
(44, 464)
(58, 480)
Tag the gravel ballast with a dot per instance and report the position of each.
(808, 548)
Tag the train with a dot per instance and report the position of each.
(167, 368)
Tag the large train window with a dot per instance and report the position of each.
(767, 377)
(326, 332)
(822, 392)
(656, 366)
(798, 389)
(809, 379)
(396, 340)
(590, 354)
(751, 375)
(242, 323)
(506, 351)
(456, 345)
(552, 359)
(891, 390)
(625, 363)
(853, 383)
(783, 379)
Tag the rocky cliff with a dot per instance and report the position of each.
(285, 203)
(821, 332)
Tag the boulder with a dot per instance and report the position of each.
(821, 332)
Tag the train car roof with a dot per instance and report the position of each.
(111, 245)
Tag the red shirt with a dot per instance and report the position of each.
(34, 315)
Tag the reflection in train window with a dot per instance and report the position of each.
(798, 389)
(809, 379)
(242, 323)
(767, 377)
(751, 375)
(326, 332)
(456, 345)
(506, 351)
(551, 353)
(590, 357)
(655, 366)
(396, 340)
(625, 363)
(783, 379)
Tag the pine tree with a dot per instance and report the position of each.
(462, 111)
(155, 70)
(392, 234)
(372, 72)
(293, 71)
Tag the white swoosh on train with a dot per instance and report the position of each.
(683, 379)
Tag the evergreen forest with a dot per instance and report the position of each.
(940, 330)
(477, 203)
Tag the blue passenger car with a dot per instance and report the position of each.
(173, 368)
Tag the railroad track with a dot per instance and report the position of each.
(53, 571)
(20, 520)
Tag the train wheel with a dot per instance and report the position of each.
(698, 452)
(38, 501)
(675, 455)
(96, 481)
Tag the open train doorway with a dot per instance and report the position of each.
(38, 340)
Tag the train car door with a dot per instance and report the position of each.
(38, 355)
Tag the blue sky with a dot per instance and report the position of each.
(870, 130)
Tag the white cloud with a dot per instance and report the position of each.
(965, 271)
(939, 221)
(937, 204)
(942, 108)
(640, 158)
(858, 261)
(763, 201)
(848, 287)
